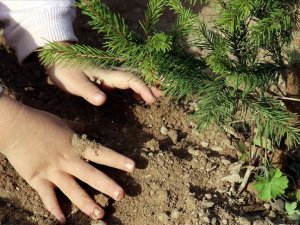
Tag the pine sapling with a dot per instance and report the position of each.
(247, 53)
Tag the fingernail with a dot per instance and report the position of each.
(98, 213)
(118, 195)
(98, 96)
(130, 166)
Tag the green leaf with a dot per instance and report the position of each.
(292, 211)
(290, 207)
(272, 186)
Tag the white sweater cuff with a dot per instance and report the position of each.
(43, 26)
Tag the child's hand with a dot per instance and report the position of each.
(39, 147)
(78, 82)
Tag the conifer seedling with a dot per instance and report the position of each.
(248, 50)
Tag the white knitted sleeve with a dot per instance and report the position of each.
(30, 24)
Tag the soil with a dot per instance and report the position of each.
(180, 171)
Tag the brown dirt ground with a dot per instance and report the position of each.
(178, 181)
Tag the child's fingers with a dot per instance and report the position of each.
(83, 87)
(123, 80)
(143, 90)
(95, 179)
(45, 190)
(157, 92)
(78, 196)
(78, 84)
(108, 157)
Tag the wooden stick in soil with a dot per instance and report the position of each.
(293, 76)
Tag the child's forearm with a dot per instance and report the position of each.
(10, 110)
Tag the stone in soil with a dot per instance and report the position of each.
(204, 144)
(163, 217)
(173, 136)
(175, 214)
(217, 148)
(207, 204)
(193, 151)
(164, 130)
(208, 196)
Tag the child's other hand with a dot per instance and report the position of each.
(78, 82)
(39, 146)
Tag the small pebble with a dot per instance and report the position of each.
(267, 206)
(217, 148)
(204, 144)
(208, 204)
(210, 168)
(240, 200)
(164, 130)
(173, 135)
(224, 221)
(272, 214)
(206, 219)
(213, 221)
(225, 162)
(8, 205)
(208, 196)
(201, 213)
(163, 217)
(175, 214)
(193, 152)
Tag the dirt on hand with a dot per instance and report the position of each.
(81, 143)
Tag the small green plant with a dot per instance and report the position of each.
(271, 185)
(233, 80)
(292, 211)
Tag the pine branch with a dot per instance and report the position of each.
(216, 105)
(194, 2)
(274, 121)
(185, 21)
(152, 15)
(104, 20)
(181, 73)
(74, 55)
(204, 38)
